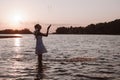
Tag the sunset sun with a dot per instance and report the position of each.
(16, 18)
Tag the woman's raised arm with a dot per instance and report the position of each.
(47, 31)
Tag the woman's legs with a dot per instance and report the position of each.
(40, 60)
(39, 75)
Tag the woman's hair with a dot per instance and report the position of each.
(38, 26)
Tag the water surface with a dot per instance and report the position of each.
(19, 62)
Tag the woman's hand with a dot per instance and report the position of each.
(49, 27)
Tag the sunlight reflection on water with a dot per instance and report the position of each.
(17, 44)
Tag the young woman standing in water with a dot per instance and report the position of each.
(40, 48)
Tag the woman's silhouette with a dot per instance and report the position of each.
(40, 48)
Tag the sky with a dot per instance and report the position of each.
(18, 14)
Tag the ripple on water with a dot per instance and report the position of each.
(97, 76)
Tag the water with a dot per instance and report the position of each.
(19, 62)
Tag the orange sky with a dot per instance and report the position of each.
(18, 14)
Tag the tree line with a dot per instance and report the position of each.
(112, 27)
(11, 31)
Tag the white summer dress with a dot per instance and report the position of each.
(40, 48)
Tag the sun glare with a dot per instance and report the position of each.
(16, 18)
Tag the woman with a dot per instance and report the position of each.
(40, 48)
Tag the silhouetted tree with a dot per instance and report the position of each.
(11, 31)
(112, 27)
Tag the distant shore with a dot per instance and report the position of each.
(109, 28)
(11, 31)
(10, 36)
(106, 28)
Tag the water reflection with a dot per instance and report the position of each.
(39, 75)
(17, 44)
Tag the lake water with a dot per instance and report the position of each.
(18, 60)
